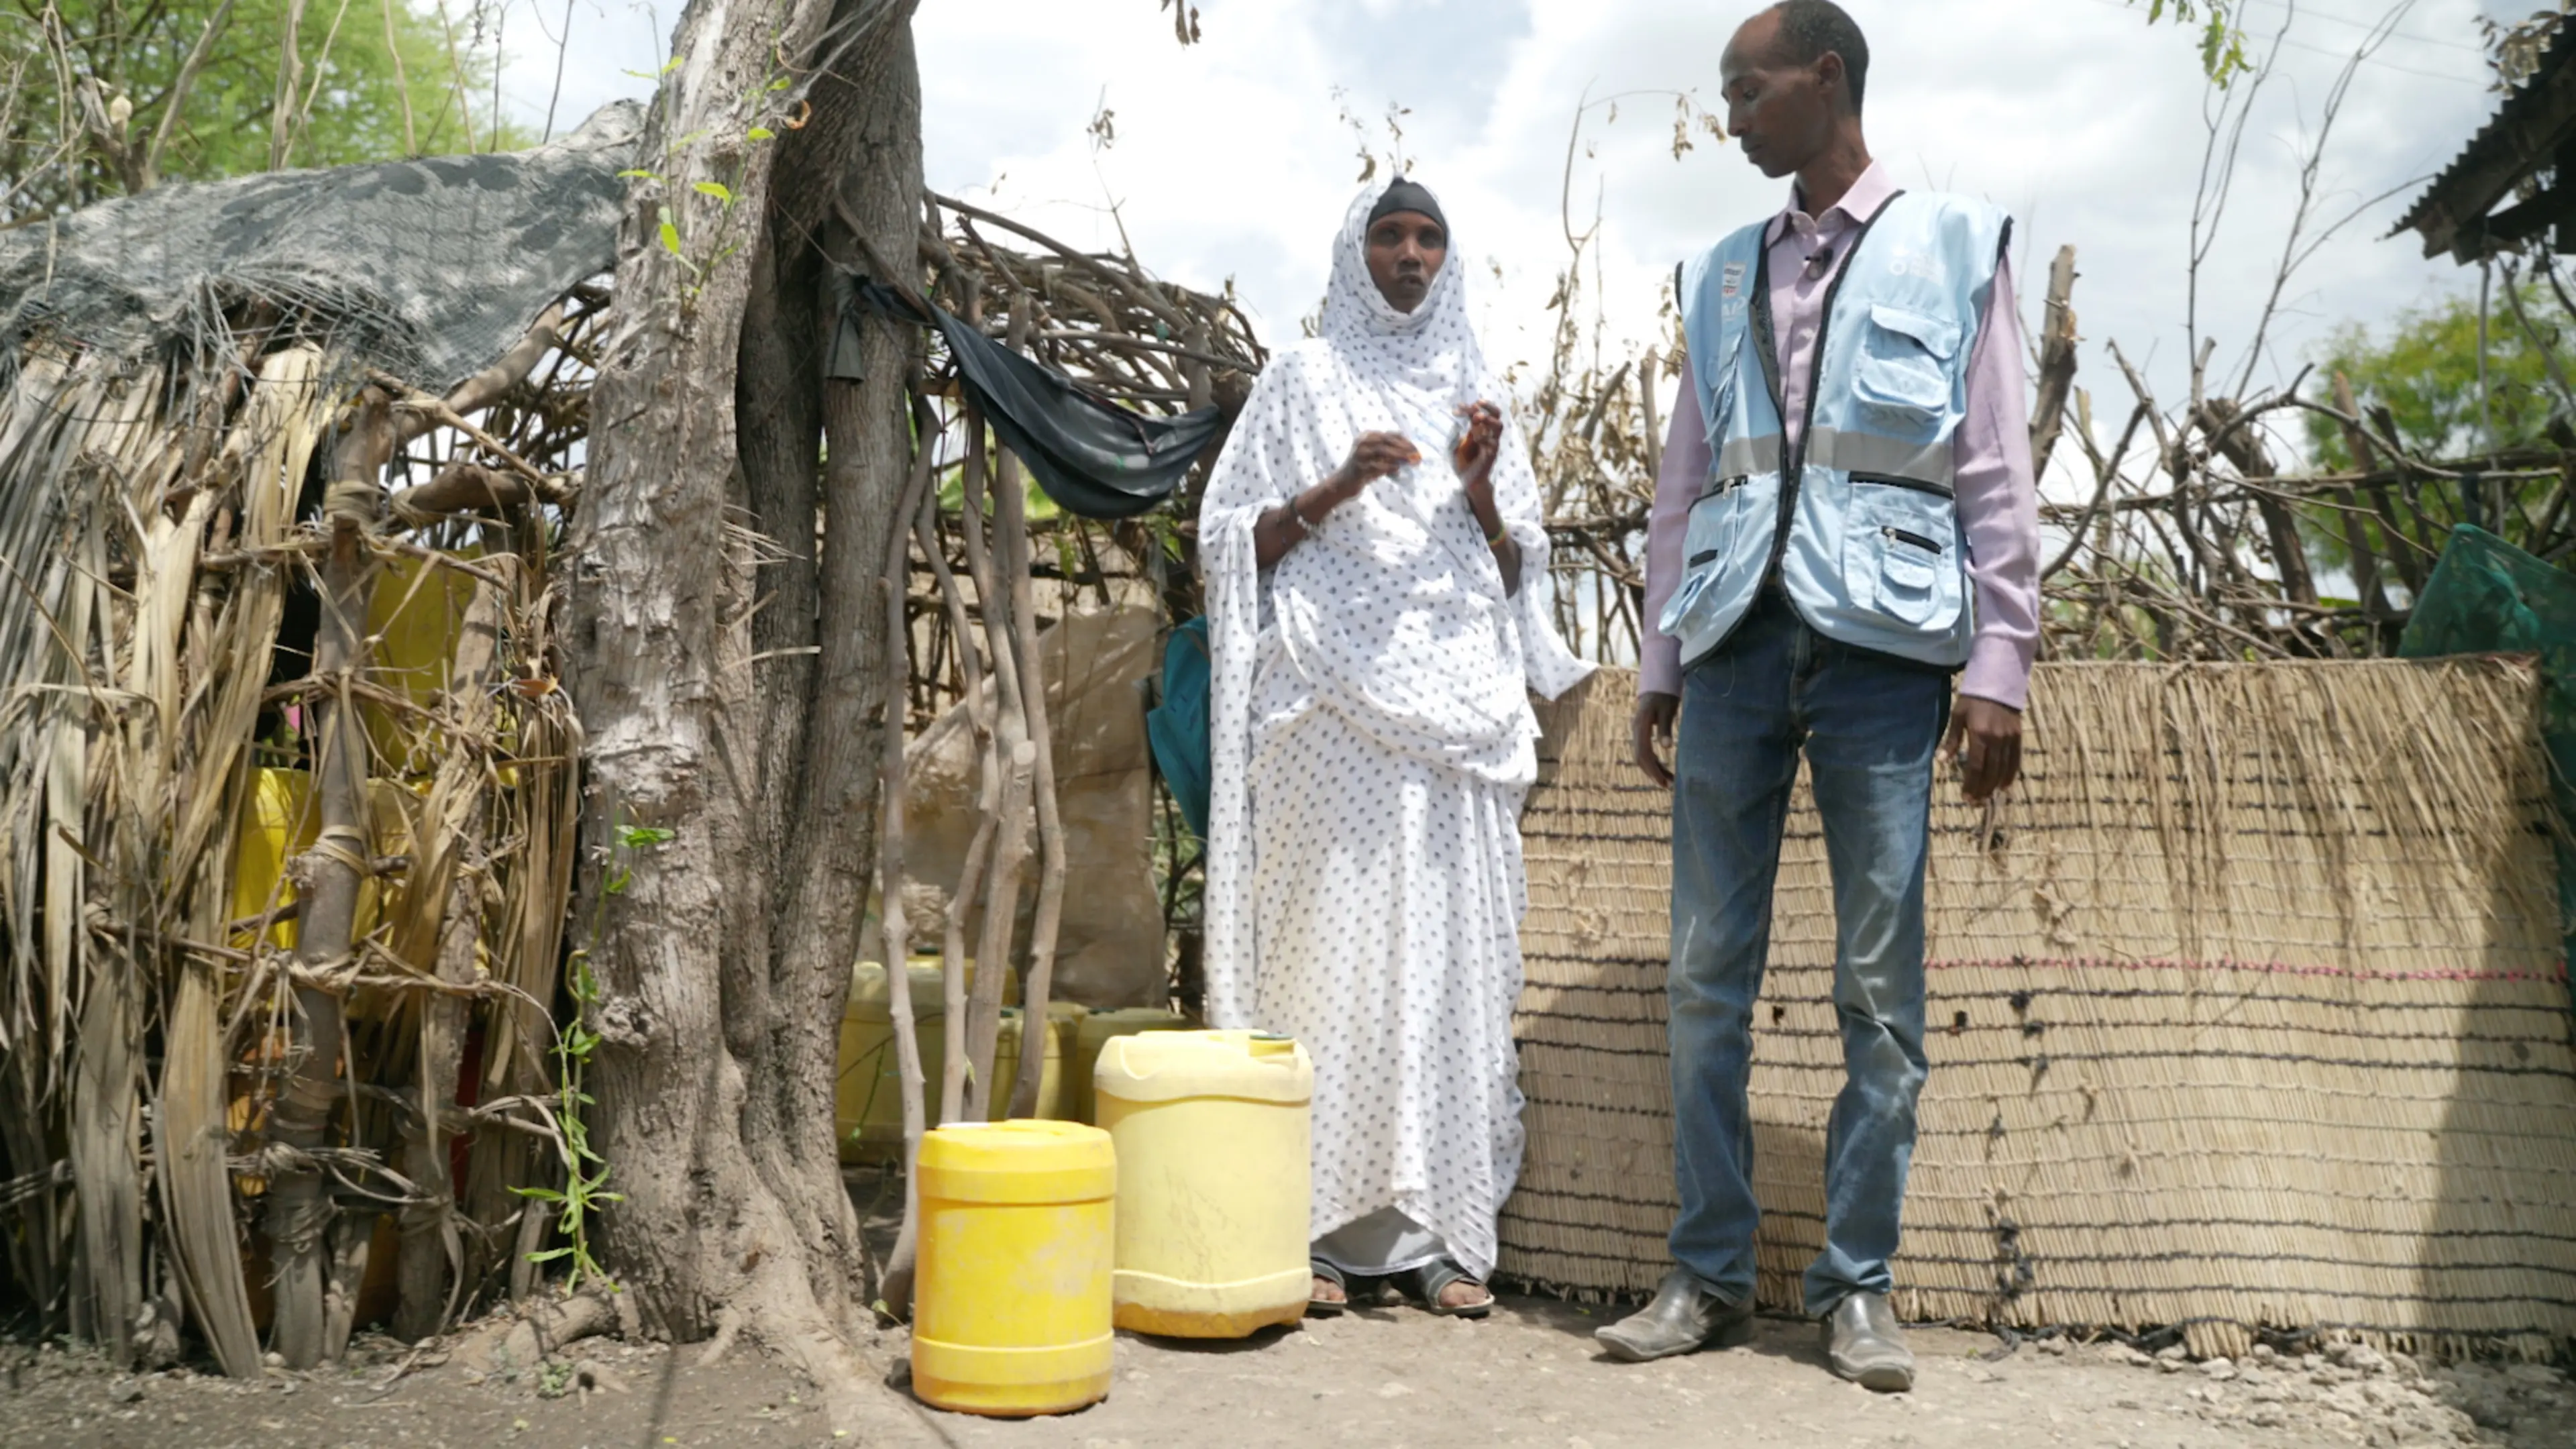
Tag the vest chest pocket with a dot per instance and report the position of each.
(1904, 366)
(1900, 553)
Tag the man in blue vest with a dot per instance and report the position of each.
(1845, 519)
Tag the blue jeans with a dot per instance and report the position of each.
(1869, 725)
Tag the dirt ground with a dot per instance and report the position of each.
(1389, 1377)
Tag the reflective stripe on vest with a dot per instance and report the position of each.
(1864, 534)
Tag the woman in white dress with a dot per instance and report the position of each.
(1374, 562)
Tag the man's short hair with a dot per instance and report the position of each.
(1809, 28)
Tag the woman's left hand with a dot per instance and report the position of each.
(1477, 449)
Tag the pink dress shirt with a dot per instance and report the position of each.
(1998, 500)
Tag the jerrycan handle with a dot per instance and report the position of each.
(1270, 1046)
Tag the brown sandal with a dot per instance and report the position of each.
(1432, 1279)
(1319, 1306)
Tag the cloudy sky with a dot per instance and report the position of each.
(1232, 159)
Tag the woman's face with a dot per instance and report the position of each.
(1405, 250)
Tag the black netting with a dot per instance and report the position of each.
(428, 269)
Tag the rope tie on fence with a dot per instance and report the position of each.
(353, 855)
(358, 501)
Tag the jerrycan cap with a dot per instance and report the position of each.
(1165, 1066)
(1019, 1161)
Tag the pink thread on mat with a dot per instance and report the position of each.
(2277, 968)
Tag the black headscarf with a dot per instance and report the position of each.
(1404, 194)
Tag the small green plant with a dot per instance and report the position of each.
(720, 238)
(2222, 37)
(584, 1191)
(585, 1171)
(554, 1379)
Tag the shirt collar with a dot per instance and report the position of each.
(1869, 191)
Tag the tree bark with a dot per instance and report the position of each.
(723, 948)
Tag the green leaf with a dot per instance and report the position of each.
(633, 173)
(636, 837)
(671, 239)
(763, 133)
(715, 189)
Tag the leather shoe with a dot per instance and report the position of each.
(1684, 1318)
(1864, 1345)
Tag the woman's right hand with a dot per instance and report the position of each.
(1374, 456)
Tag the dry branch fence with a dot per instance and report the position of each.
(288, 791)
(278, 652)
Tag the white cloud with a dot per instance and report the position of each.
(1230, 160)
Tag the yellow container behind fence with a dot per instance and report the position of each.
(1006, 1061)
(1011, 1307)
(1098, 1029)
(867, 1107)
(281, 821)
(1212, 1132)
(277, 824)
(416, 614)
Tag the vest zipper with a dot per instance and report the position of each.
(1793, 461)
(1916, 539)
(1911, 485)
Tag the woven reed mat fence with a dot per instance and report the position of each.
(2249, 1014)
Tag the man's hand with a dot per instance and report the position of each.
(1653, 722)
(1985, 738)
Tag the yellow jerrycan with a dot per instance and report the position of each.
(1211, 1129)
(1011, 1307)
(1096, 1030)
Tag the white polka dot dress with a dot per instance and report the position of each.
(1371, 744)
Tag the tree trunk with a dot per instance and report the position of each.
(731, 797)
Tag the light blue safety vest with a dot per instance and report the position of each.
(1866, 541)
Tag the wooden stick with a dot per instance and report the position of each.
(979, 716)
(298, 1214)
(1017, 760)
(2056, 362)
(897, 932)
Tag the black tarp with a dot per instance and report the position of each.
(1091, 456)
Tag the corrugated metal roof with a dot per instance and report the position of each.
(2522, 138)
